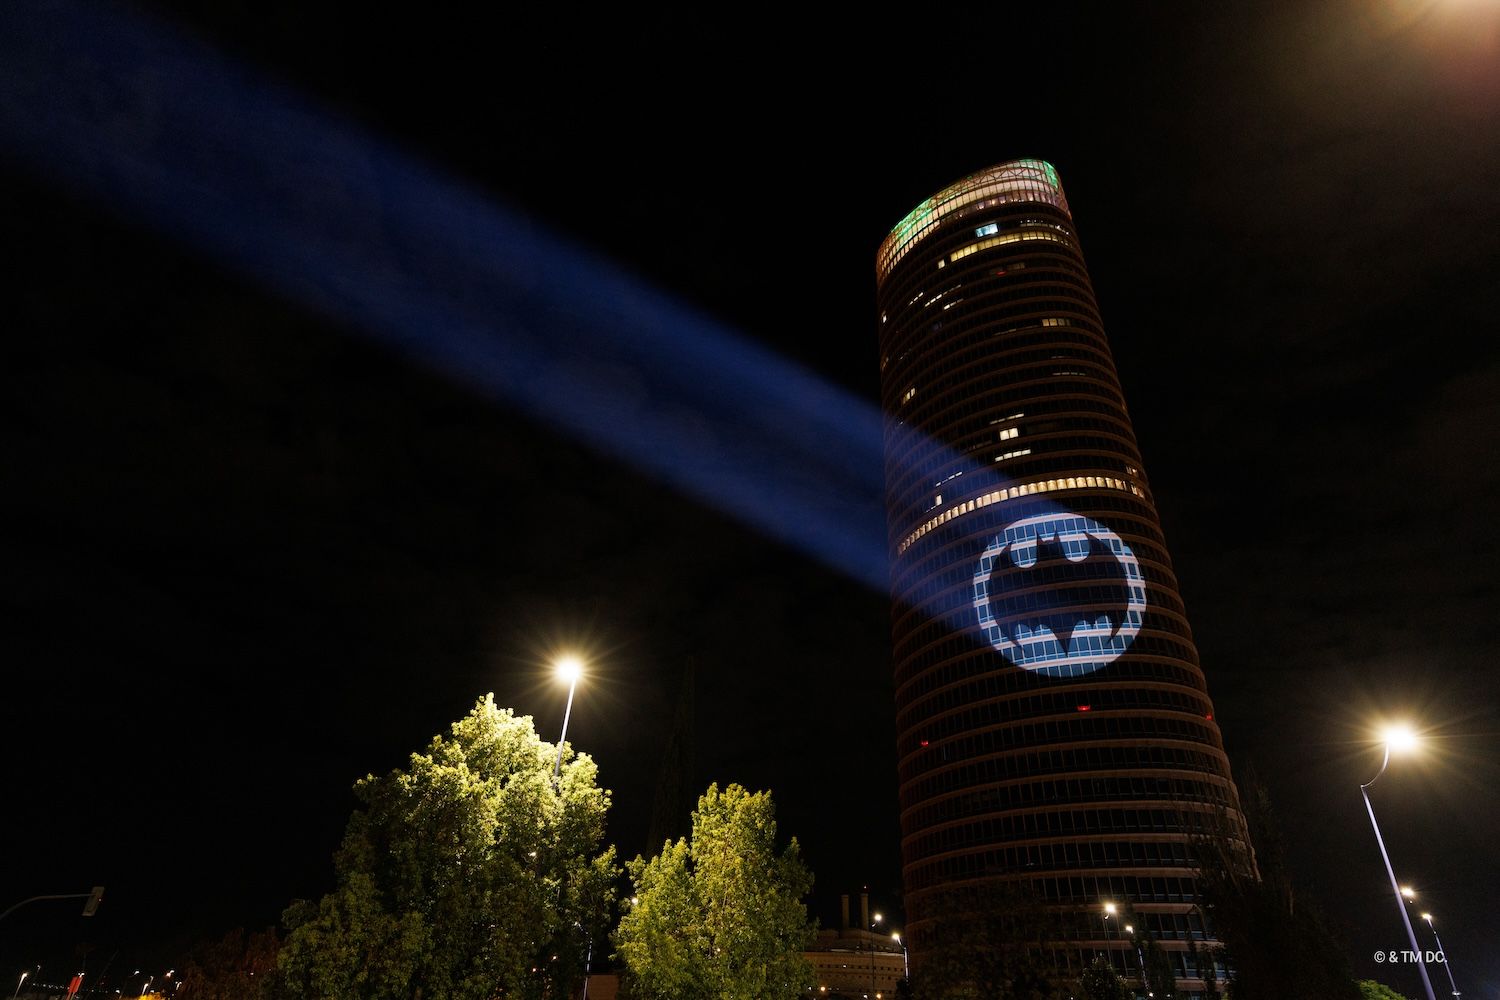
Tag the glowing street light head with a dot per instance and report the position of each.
(1408, 892)
(896, 936)
(879, 917)
(1109, 908)
(1399, 738)
(1427, 917)
(569, 669)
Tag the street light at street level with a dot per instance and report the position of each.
(1400, 739)
(1447, 965)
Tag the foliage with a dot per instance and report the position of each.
(469, 874)
(719, 916)
(1274, 944)
(1100, 981)
(987, 945)
(238, 966)
(1369, 989)
(1161, 979)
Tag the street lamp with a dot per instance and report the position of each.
(18, 984)
(1400, 739)
(905, 961)
(1447, 965)
(569, 669)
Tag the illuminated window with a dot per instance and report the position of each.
(995, 241)
(909, 394)
(1011, 492)
(1013, 454)
(1006, 433)
(989, 230)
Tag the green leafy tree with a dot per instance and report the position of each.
(1100, 981)
(719, 916)
(468, 874)
(1369, 989)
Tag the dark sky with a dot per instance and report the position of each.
(250, 555)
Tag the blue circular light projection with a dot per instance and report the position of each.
(1059, 594)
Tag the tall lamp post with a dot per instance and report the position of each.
(1398, 738)
(1447, 965)
(1140, 956)
(874, 924)
(569, 668)
(906, 961)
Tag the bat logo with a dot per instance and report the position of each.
(1059, 594)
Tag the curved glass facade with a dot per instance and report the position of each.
(1055, 732)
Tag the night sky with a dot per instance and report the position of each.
(249, 554)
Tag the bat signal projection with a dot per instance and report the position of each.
(1059, 594)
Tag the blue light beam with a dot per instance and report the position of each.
(161, 129)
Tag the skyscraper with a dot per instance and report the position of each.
(1055, 734)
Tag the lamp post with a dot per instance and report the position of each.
(1140, 956)
(905, 961)
(873, 924)
(1398, 738)
(1447, 965)
(569, 668)
(25, 974)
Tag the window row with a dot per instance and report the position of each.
(930, 778)
(1032, 261)
(965, 717)
(994, 321)
(994, 392)
(1022, 236)
(1013, 492)
(1057, 857)
(941, 570)
(1106, 822)
(1010, 767)
(977, 676)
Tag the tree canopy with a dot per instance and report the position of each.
(1370, 989)
(988, 945)
(468, 874)
(719, 915)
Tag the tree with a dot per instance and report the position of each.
(1100, 981)
(1369, 989)
(469, 874)
(1275, 943)
(987, 944)
(719, 915)
(1161, 979)
(238, 966)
